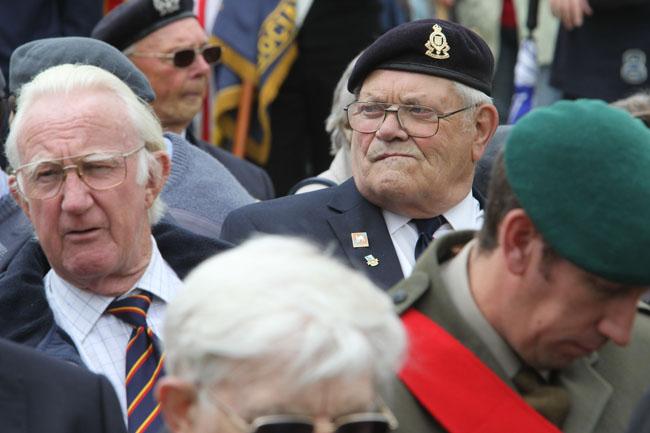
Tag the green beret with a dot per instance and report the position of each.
(581, 171)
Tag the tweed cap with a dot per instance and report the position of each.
(432, 47)
(30, 59)
(135, 19)
(581, 171)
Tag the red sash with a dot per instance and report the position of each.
(457, 389)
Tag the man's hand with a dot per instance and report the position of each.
(570, 12)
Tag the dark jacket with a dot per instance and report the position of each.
(25, 316)
(607, 57)
(39, 394)
(328, 217)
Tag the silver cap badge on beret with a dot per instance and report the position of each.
(165, 7)
(437, 46)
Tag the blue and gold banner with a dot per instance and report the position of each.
(258, 45)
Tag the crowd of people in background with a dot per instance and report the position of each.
(310, 216)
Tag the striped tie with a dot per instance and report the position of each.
(144, 363)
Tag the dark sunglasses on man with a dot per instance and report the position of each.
(185, 57)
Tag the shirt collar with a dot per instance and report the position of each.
(466, 215)
(82, 309)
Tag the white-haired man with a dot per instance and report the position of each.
(89, 165)
(302, 345)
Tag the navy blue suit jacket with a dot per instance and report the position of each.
(255, 179)
(329, 217)
(39, 394)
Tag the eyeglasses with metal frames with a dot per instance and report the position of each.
(42, 180)
(185, 57)
(417, 120)
(382, 421)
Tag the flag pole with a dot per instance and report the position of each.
(243, 118)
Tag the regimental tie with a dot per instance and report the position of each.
(426, 229)
(144, 363)
(547, 397)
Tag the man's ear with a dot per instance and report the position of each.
(177, 399)
(157, 178)
(517, 237)
(486, 122)
(15, 193)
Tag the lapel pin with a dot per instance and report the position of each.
(371, 260)
(359, 240)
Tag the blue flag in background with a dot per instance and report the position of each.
(258, 44)
(526, 72)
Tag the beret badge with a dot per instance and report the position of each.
(165, 7)
(437, 46)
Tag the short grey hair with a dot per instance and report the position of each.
(470, 97)
(279, 307)
(68, 79)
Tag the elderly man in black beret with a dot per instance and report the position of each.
(529, 312)
(167, 43)
(421, 120)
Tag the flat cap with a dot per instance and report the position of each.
(135, 19)
(432, 47)
(30, 59)
(580, 170)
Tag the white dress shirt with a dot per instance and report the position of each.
(466, 215)
(101, 338)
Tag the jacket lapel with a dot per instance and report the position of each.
(589, 393)
(354, 214)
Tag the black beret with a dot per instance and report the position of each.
(432, 47)
(30, 59)
(135, 19)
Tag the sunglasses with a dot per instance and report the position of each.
(371, 422)
(184, 58)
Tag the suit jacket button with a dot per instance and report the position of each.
(399, 296)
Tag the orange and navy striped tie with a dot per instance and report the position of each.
(144, 363)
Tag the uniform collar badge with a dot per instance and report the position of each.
(437, 46)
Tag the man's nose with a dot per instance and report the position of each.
(199, 65)
(391, 128)
(75, 192)
(619, 319)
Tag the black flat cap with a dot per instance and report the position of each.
(30, 59)
(135, 19)
(432, 47)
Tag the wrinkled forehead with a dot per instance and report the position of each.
(407, 87)
(59, 125)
